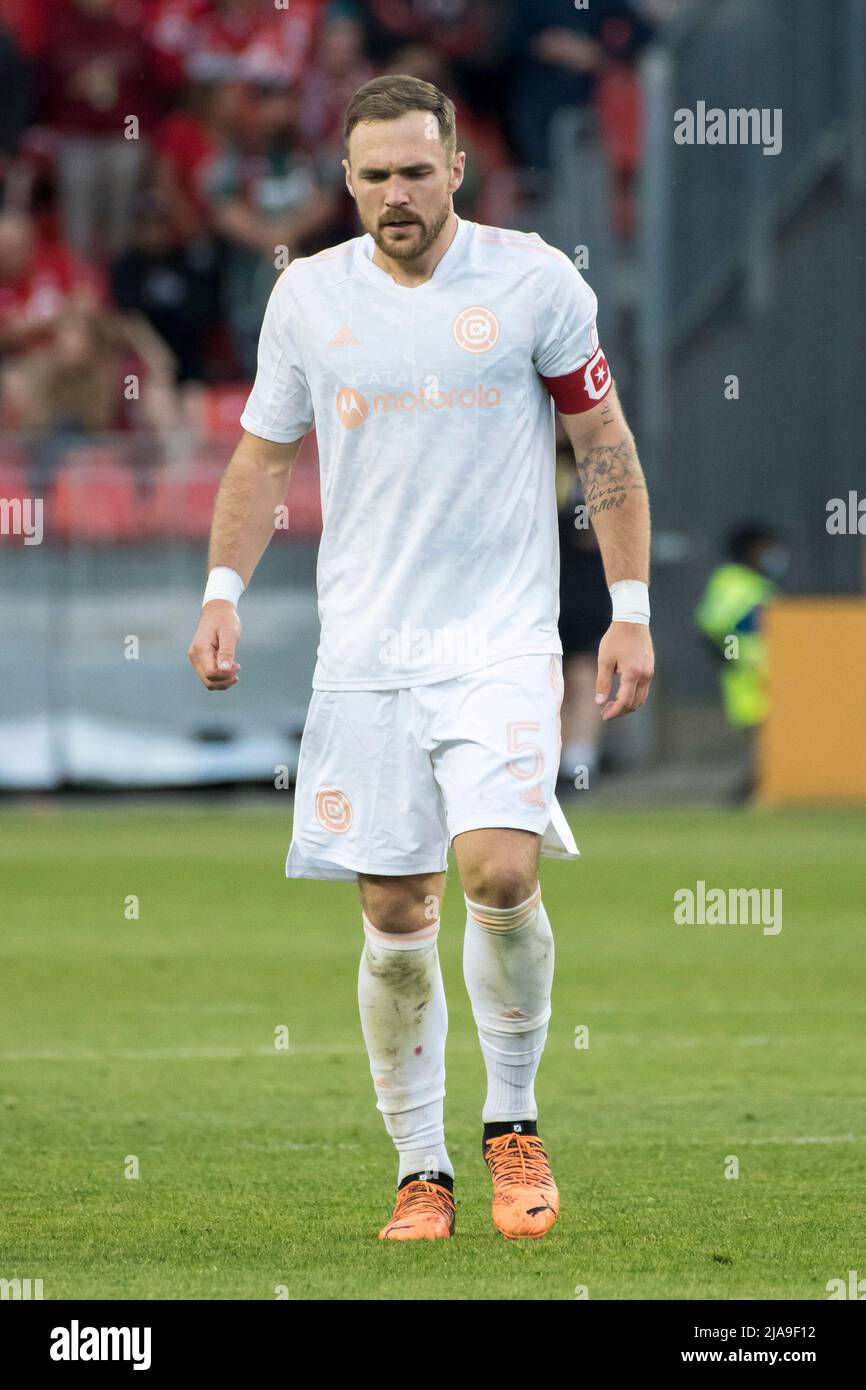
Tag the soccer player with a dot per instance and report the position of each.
(429, 354)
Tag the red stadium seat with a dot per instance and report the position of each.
(183, 496)
(182, 499)
(95, 498)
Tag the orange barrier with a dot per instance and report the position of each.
(812, 747)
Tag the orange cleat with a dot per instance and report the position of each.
(525, 1197)
(423, 1211)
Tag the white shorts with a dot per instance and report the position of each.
(387, 778)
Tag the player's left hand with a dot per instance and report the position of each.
(626, 648)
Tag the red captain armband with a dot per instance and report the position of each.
(581, 390)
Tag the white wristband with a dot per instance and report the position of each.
(223, 583)
(630, 599)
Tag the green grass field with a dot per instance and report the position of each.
(261, 1168)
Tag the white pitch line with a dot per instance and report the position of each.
(149, 1054)
(772, 1139)
(809, 1139)
(186, 1054)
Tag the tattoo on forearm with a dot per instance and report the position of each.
(609, 472)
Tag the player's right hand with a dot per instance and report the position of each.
(212, 651)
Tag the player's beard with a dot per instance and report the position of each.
(411, 250)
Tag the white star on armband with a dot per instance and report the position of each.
(630, 599)
(223, 583)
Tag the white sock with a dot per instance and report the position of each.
(508, 969)
(404, 1020)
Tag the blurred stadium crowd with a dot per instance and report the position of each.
(153, 153)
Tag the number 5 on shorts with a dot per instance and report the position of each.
(517, 744)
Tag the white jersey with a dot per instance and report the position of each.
(435, 427)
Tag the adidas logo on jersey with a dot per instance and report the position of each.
(344, 337)
(534, 797)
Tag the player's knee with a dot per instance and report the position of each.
(398, 917)
(399, 907)
(500, 883)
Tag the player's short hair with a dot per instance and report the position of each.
(390, 97)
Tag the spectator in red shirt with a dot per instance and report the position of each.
(37, 282)
(183, 146)
(28, 22)
(235, 40)
(96, 72)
